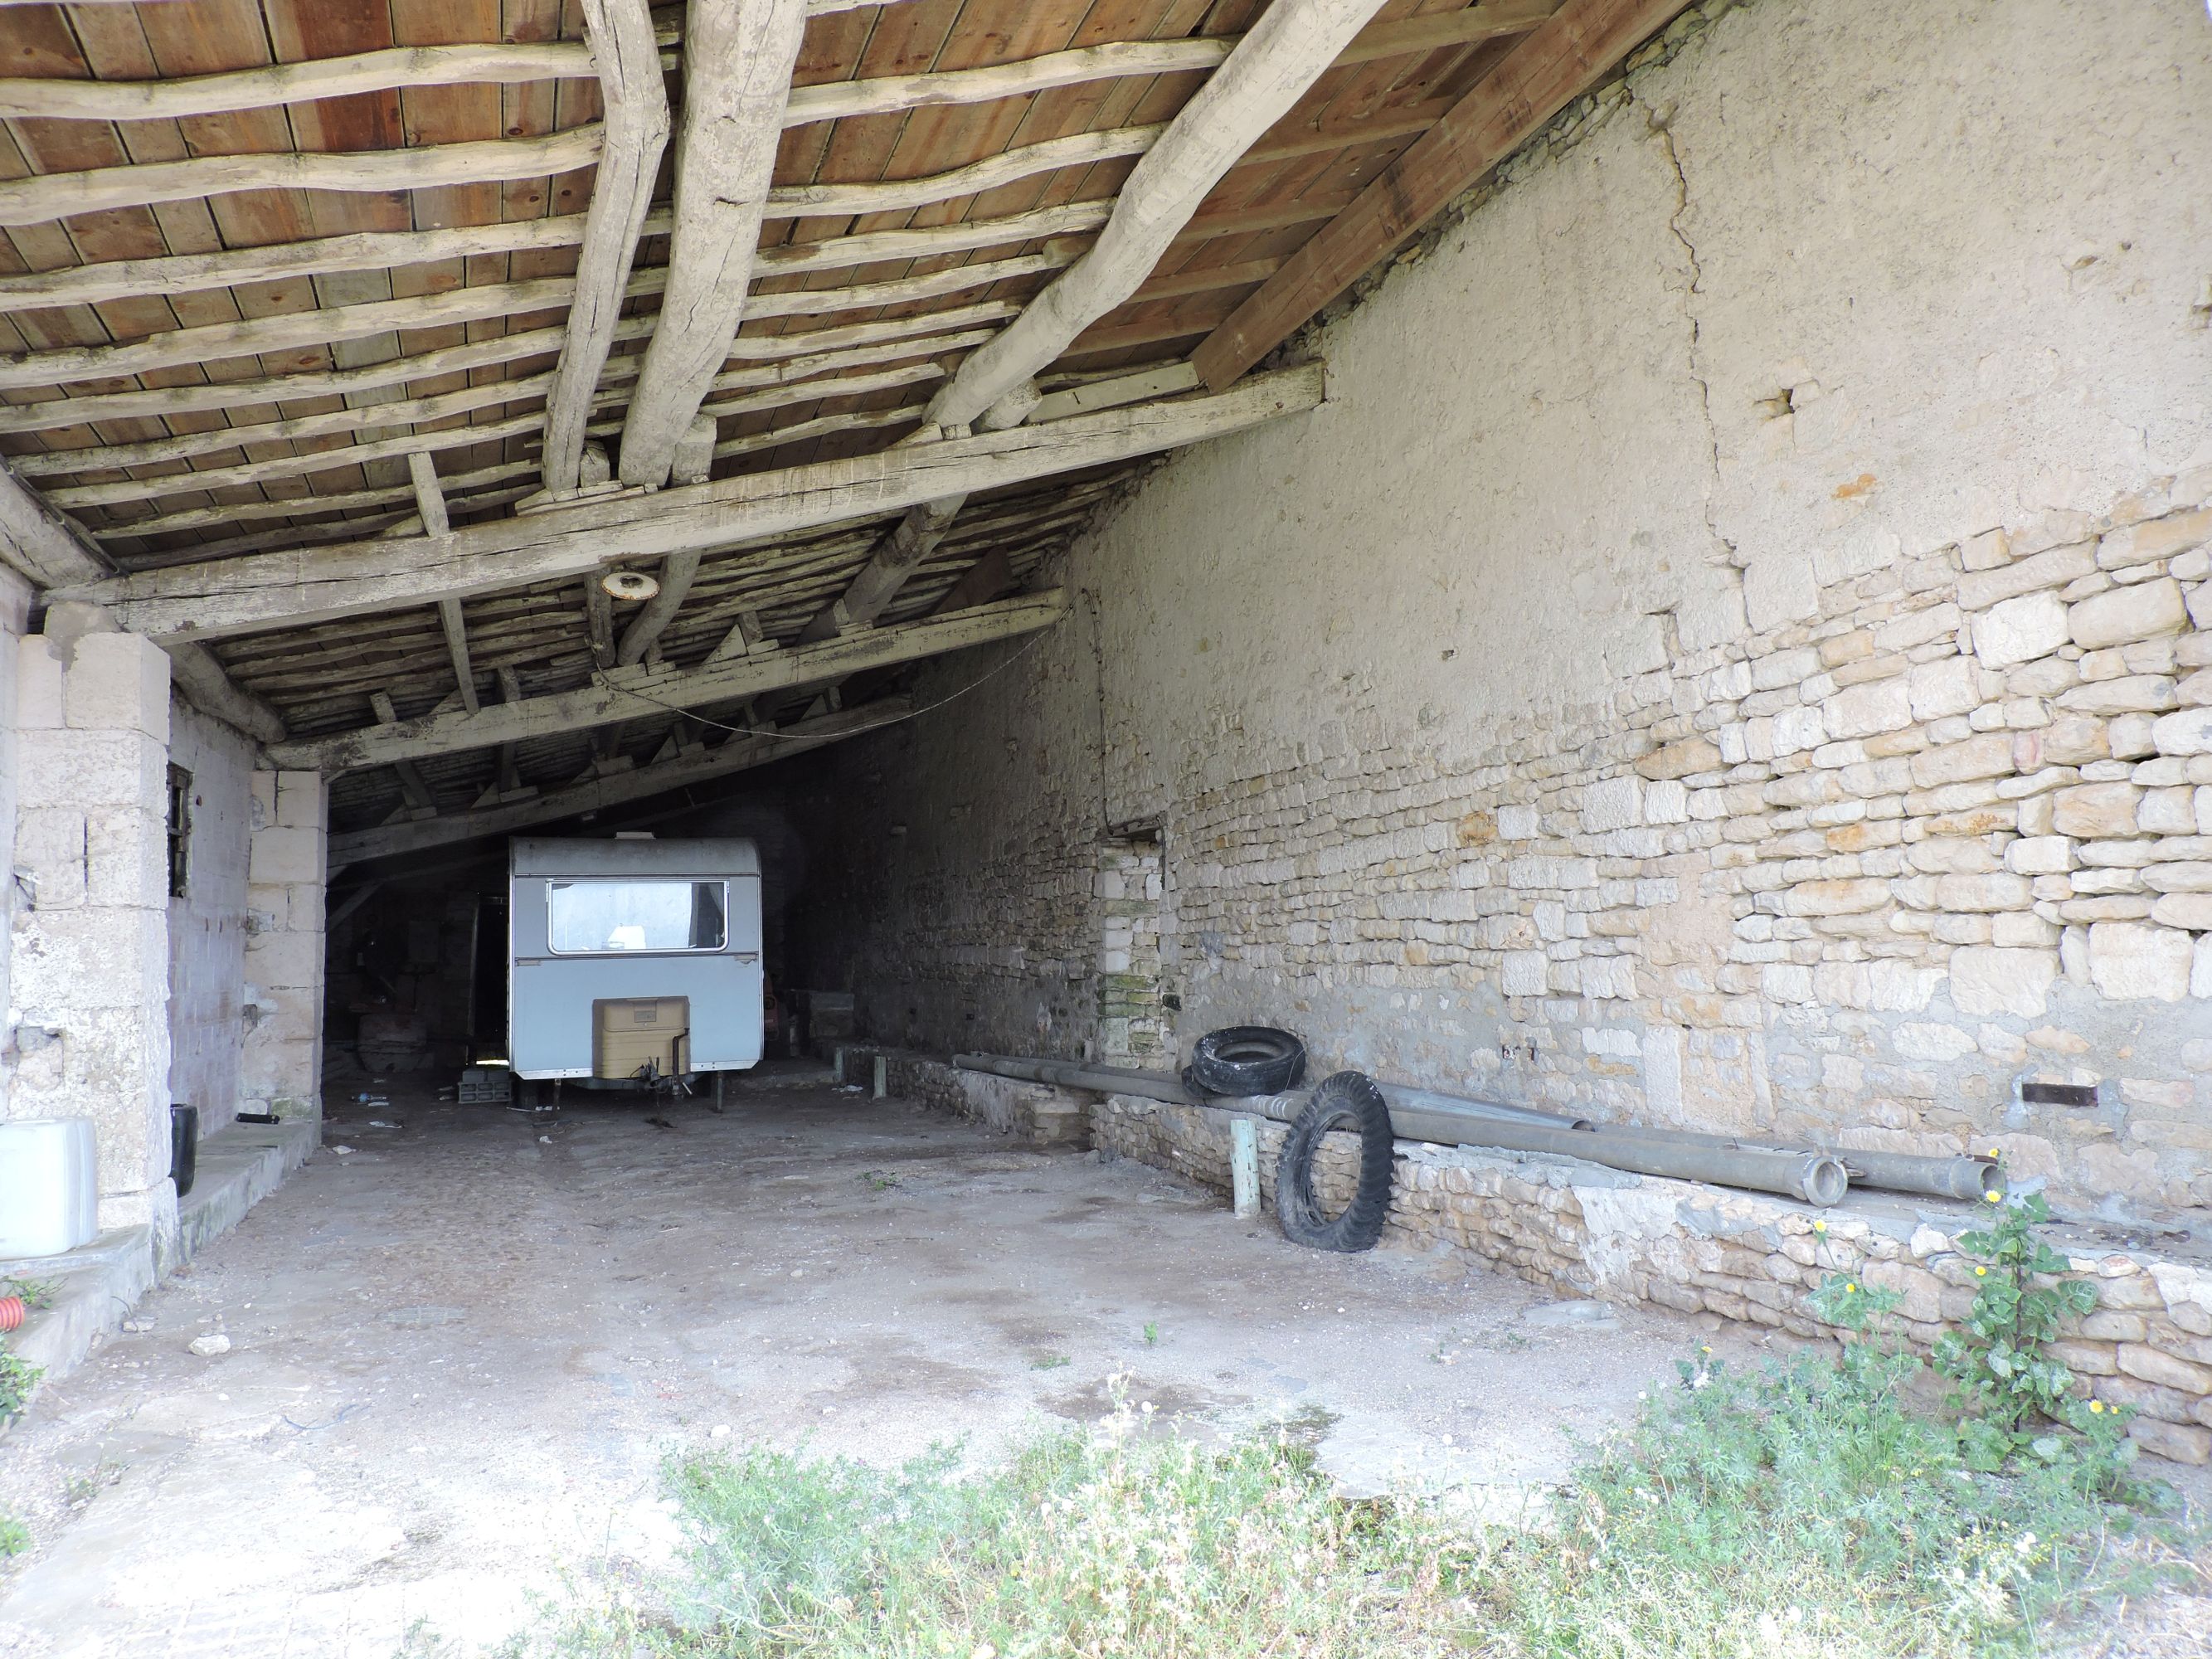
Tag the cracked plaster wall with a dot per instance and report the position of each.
(1740, 367)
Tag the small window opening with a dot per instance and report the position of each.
(180, 831)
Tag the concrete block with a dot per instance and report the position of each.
(119, 683)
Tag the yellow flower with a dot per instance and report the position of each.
(1981, 1273)
(1819, 1226)
(1994, 1198)
(1851, 1289)
(2097, 1406)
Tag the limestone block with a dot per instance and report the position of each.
(2192, 911)
(1613, 804)
(1516, 822)
(1979, 893)
(2085, 1358)
(2177, 1442)
(2040, 855)
(1835, 898)
(2091, 811)
(2140, 1360)
(1779, 590)
(285, 855)
(1680, 759)
(119, 682)
(2200, 969)
(1989, 756)
(83, 768)
(261, 792)
(50, 847)
(67, 962)
(1860, 711)
(2128, 694)
(2186, 876)
(280, 961)
(2155, 538)
(302, 803)
(39, 702)
(126, 857)
(2130, 960)
(1523, 974)
(2167, 811)
(2070, 740)
(2189, 731)
(1996, 980)
(2016, 630)
(1945, 686)
(2054, 568)
(2141, 611)
(1667, 801)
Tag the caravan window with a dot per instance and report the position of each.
(596, 918)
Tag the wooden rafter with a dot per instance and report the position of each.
(626, 693)
(260, 592)
(600, 792)
(1552, 66)
(738, 61)
(636, 128)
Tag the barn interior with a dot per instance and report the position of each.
(1647, 561)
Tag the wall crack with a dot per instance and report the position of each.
(1660, 123)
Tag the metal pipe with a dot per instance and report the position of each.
(1419, 1115)
(1072, 1074)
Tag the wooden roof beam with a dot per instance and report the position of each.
(597, 793)
(636, 126)
(1268, 70)
(629, 693)
(1557, 61)
(256, 593)
(49, 195)
(738, 61)
(39, 543)
(502, 64)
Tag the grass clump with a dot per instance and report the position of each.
(1805, 1507)
(15, 1536)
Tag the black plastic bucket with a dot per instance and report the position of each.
(184, 1146)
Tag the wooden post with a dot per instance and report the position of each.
(1244, 1166)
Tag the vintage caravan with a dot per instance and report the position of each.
(633, 964)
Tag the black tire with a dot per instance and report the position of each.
(1348, 1100)
(1247, 1059)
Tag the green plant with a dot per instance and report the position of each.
(1050, 1362)
(36, 1292)
(15, 1536)
(1151, 1333)
(18, 1377)
(2006, 1382)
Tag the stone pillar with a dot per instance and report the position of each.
(15, 616)
(91, 934)
(282, 1068)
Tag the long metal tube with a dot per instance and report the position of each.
(1071, 1074)
(1816, 1177)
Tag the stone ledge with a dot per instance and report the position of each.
(99, 1284)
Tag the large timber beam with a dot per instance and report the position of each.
(636, 122)
(1269, 69)
(38, 541)
(255, 593)
(1555, 64)
(615, 789)
(621, 694)
(738, 61)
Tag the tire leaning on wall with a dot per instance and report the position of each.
(1347, 1100)
(1243, 1060)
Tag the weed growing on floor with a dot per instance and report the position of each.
(18, 1377)
(1804, 1509)
(1050, 1361)
(36, 1292)
(2008, 1385)
(15, 1536)
(1151, 1333)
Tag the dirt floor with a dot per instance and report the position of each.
(461, 1350)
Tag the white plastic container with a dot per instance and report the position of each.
(49, 1186)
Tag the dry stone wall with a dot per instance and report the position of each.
(1741, 1257)
(1731, 651)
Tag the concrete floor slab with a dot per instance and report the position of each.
(460, 1351)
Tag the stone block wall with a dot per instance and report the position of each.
(90, 938)
(1743, 1257)
(1731, 651)
(281, 1067)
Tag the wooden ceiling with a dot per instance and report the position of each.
(282, 275)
